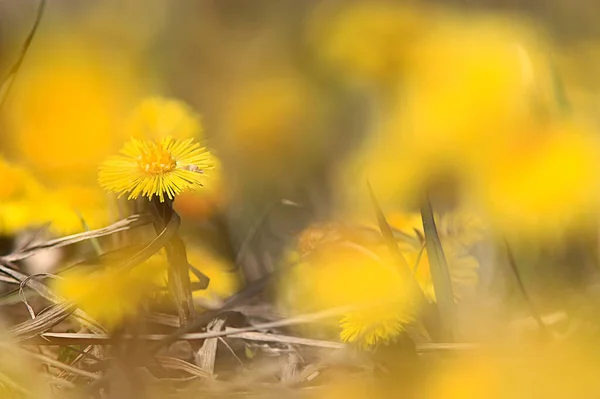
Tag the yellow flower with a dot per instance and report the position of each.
(273, 126)
(156, 118)
(544, 186)
(20, 376)
(21, 196)
(366, 40)
(225, 278)
(459, 232)
(374, 325)
(66, 108)
(68, 207)
(109, 294)
(444, 122)
(156, 168)
(463, 268)
(17, 182)
(564, 369)
(347, 274)
(317, 235)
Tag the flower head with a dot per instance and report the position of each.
(378, 324)
(345, 274)
(156, 168)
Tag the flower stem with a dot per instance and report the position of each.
(178, 276)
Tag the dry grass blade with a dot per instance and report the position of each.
(207, 354)
(8, 81)
(153, 247)
(440, 274)
(43, 322)
(244, 247)
(285, 339)
(181, 365)
(241, 297)
(49, 320)
(291, 367)
(63, 339)
(122, 225)
(55, 363)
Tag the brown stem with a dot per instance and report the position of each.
(178, 276)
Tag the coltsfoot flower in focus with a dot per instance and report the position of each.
(156, 118)
(156, 168)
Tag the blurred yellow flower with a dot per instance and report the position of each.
(463, 268)
(317, 235)
(271, 126)
(18, 215)
(65, 109)
(348, 265)
(156, 168)
(69, 207)
(377, 324)
(21, 196)
(366, 40)
(539, 372)
(156, 118)
(225, 278)
(347, 274)
(545, 185)
(109, 294)
(444, 122)
(17, 182)
(20, 376)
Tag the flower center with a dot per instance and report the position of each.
(155, 160)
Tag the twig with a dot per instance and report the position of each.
(8, 81)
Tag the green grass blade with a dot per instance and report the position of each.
(390, 240)
(559, 91)
(440, 274)
(94, 241)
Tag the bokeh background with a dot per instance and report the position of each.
(491, 107)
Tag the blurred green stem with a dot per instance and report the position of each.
(440, 274)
